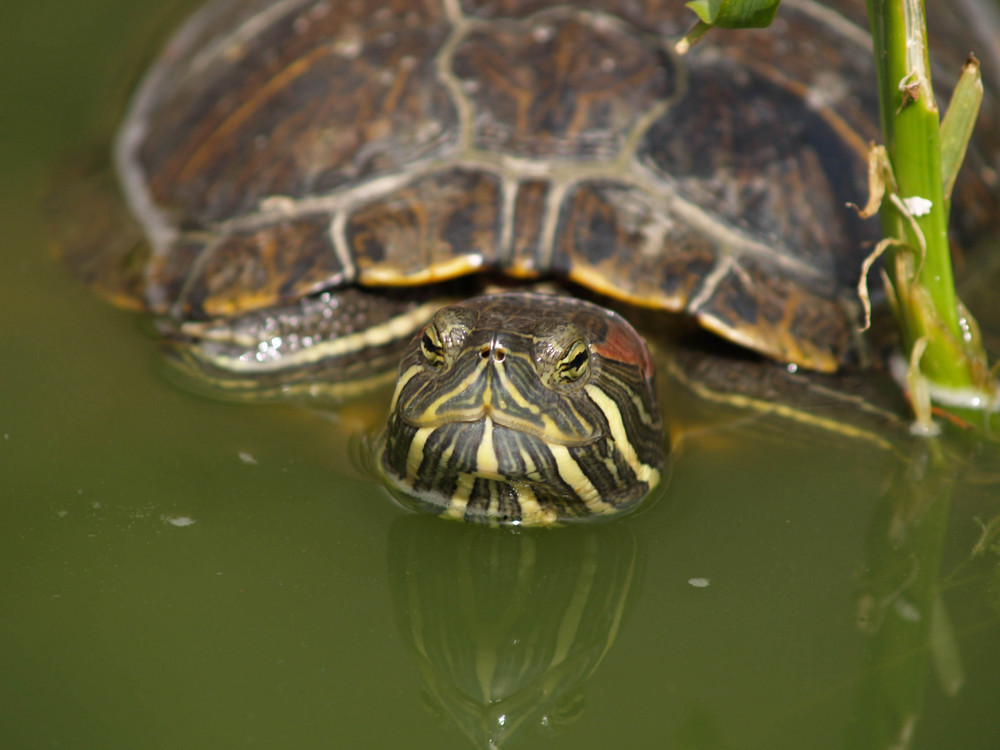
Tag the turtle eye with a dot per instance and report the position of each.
(431, 346)
(561, 353)
(574, 363)
(442, 339)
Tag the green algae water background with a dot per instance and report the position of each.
(176, 572)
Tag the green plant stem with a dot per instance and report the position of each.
(911, 125)
(901, 599)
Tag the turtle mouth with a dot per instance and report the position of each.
(488, 416)
(484, 449)
(487, 471)
(456, 463)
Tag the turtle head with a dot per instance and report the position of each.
(524, 409)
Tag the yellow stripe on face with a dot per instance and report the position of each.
(415, 455)
(431, 414)
(517, 396)
(546, 427)
(645, 416)
(532, 513)
(460, 500)
(530, 467)
(571, 473)
(643, 472)
(487, 463)
(405, 378)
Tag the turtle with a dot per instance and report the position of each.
(323, 184)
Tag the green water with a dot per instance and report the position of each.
(177, 572)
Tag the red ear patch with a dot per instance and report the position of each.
(623, 344)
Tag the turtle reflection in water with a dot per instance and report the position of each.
(507, 642)
(316, 179)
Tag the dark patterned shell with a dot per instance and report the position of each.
(281, 147)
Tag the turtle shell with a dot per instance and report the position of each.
(280, 148)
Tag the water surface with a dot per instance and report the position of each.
(179, 572)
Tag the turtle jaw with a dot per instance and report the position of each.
(485, 471)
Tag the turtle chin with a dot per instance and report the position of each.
(484, 471)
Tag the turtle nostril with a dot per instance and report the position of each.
(499, 353)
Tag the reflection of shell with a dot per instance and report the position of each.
(507, 627)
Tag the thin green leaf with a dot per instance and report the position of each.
(735, 14)
(959, 121)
